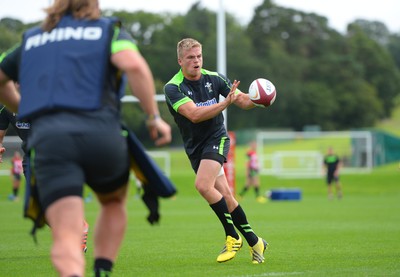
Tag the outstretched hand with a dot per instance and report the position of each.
(231, 97)
(159, 130)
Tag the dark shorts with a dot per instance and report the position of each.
(330, 178)
(63, 163)
(216, 150)
(17, 176)
(252, 172)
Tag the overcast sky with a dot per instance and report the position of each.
(338, 12)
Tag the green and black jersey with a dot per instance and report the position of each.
(204, 92)
(331, 162)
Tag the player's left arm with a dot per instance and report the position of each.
(243, 100)
(126, 57)
(240, 99)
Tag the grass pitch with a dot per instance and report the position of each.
(356, 236)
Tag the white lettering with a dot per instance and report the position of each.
(207, 103)
(32, 42)
(71, 33)
(48, 37)
(60, 34)
(92, 33)
(63, 34)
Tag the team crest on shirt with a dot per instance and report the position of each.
(209, 87)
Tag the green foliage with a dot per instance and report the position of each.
(394, 48)
(322, 77)
(379, 68)
(391, 125)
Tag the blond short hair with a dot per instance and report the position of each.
(186, 44)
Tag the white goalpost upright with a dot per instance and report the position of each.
(296, 164)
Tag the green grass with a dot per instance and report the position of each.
(392, 124)
(357, 236)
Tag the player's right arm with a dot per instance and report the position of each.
(197, 114)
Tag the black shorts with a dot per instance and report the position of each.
(17, 176)
(252, 172)
(63, 163)
(216, 150)
(330, 178)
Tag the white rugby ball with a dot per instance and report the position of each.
(262, 92)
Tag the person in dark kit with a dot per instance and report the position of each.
(72, 101)
(332, 166)
(193, 100)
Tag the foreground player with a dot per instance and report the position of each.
(22, 129)
(193, 99)
(72, 101)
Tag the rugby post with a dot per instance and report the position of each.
(229, 166)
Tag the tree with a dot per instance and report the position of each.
(375, 30)
(10, 30)
(322, 77)
(379, 68)
(394, 48)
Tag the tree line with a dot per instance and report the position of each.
(324, 78)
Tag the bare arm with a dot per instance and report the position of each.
(243, 101)
(9, 96)
(141, 82)
(198, 114)
(140, 78)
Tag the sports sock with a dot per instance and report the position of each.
(243, 192)
(257, 190)
(240, 221)
(102, 267)
(221, 210)
(15, 192)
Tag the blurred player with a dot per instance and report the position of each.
(332, 165)
(16, 175)
(252, 173)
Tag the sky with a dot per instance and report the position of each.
(338, 12)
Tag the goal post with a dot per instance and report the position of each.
(163, 160)
(300, 154)
(296, 164)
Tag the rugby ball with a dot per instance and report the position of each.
(262, 92)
